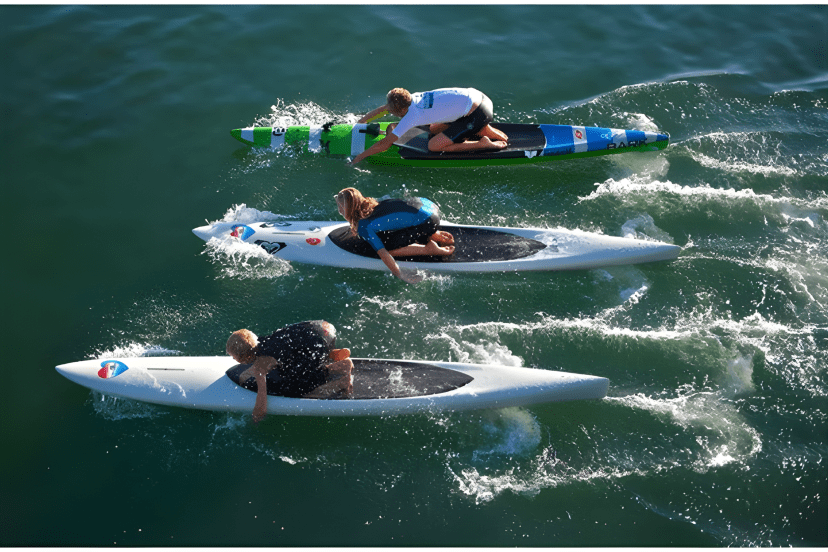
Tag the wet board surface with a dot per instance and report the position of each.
(528, 143)
(377, 379)
(470, 245)
(522, 138)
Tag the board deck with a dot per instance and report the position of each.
(528, 143)
(472, 245)
(374, 379)
(381, 386)
(477, 248)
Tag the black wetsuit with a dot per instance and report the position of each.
(395, 223)
(302, 350)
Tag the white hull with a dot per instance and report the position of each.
(308, 242)
(201, 383)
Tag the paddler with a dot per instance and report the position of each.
(303, 355)
(454, 115)
(396, 228)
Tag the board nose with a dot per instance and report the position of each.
(212, 231)
(202, 232)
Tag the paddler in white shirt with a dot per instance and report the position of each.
(453, 114)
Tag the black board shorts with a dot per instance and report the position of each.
(421, 234)
(470, 124)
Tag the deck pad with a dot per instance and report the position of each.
(470, 245)
(522, 138)
(377, 379)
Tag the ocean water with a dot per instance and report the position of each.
(116, 123)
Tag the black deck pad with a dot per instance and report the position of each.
(522, 138)
(470, 245)
(377, 379)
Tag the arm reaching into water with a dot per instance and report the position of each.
(378, 147)
(408, 277)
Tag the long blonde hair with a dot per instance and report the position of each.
(355, 206)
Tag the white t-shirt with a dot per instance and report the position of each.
(444, 105)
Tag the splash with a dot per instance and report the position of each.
(644, 227)
(511, 431)
(302, 114)
(635, 186)
(117, 409)
(480, 352)
(738, 378)
(741, 152)
(240, 260)
(721, 434)
(134, 350)
(243, 214)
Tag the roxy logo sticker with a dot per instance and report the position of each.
(313, 241)
(271, 247)
(241, 231)
(111, 368)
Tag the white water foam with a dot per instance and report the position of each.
(643, 227)
(529, 478)
(763, 158)
(302, 114)
(707, 414)
(634, 190)
(239, 260)
(117, 409)
(479, 352)
(721, 433)
(134, 350)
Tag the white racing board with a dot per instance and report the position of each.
(477, 248)
(380, 387)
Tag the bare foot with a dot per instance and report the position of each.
(433, 249)
(495, 133)
(340, 354)
(487, 143)
(344, 367)
(345, 383)
(443, 238)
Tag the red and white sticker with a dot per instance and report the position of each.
(313, 241)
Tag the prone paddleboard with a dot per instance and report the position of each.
(477, 248)
(528, 143)
(380, 387)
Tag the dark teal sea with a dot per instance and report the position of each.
(116, 122)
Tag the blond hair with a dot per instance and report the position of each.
(355, 206)
(398, 99)
(240, 346)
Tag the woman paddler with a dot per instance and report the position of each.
(396, 228)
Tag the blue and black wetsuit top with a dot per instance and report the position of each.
(303, 350)
(395, 223)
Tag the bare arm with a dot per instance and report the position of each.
(395, 269)
(259, 371)
(379, 147)
(375, 114)
(260, 408)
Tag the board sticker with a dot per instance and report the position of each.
(277, 137)
(315, 139)
(241, 231)
(111, 368)
(579, 139)
(358, 137)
